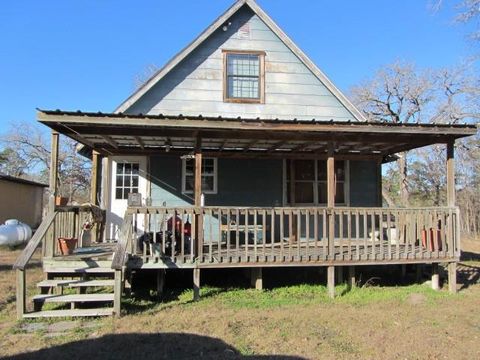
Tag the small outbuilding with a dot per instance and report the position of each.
(21, 199)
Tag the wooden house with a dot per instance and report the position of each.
(239, 152)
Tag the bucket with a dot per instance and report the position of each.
(67, 245)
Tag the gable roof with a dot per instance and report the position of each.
(217, 24)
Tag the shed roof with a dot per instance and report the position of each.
(21, 181)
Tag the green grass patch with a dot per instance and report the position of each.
(304, 294)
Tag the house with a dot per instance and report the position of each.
(22, 200)
(240, 152)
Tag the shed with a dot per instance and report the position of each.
(21, 199)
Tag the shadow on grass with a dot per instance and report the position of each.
(469, 256)
(468, 275)
(145, 347)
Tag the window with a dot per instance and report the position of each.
(127, 180)
(311, 181)
(244, 76)
(209, 176)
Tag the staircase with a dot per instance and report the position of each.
(75, 289)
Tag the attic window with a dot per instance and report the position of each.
(244, 77)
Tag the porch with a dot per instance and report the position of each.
(329, 232)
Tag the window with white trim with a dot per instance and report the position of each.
(209, 176)
(127, 177)
(310, 178)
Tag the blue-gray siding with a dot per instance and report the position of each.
(195, 86)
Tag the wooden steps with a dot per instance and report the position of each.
(76, 283)
(70, 313)
(73, 298)
(85, 287)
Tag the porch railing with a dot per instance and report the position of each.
(210, 236)
(63, 222)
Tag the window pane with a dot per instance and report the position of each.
(189, 166)
(207, 183)
(135, 168)
(125, 193)
(118, 194)
(340, 193)
(243, 64)
(241, 87)
(322, 170)
(340, 170)
(304, 170)
(189, 183)
(303, 193)
(127, 181)
(119, 180)
(135, 181)
(322, 193)
(128, 168)
(119, 169)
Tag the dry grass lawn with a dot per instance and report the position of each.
(299, 321)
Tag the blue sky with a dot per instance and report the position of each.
(85, 54)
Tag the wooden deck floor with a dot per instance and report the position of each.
(294, 255)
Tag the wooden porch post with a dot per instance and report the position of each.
(452, 267)
(331, 281)
(451, 173)
(53, 184)
(49, 246)
(199, 216)
(94, 178)
(331, 200)
(293, 235)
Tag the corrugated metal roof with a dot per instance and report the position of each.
(200, 117)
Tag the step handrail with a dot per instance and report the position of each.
(119, 257)
(34, 242)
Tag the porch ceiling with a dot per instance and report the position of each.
(120, 134)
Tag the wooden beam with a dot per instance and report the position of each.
(277, 145)
(451, 173)
(140, 142)
(94, 178)
(222, 146)
(53, 183)
(110, 141)
(249, 145)
(303, 146)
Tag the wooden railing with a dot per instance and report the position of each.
(239, 235)
(63, 222)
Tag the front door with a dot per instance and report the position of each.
(128, 175)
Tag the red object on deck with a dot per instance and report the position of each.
(433, 241)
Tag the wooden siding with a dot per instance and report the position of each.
(195, 85)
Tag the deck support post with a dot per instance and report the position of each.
(331, 200)
(21, 293)
(352, 281)
(117, 296)
(160, 283)
(452, 277)
(435, 277)
(331, 281)
(196, 284)
(257, 278)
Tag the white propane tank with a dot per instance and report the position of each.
(14, 233)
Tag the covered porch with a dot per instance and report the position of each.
(333, 233)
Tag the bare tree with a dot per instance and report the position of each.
(29, 149)
(468, 13)
(398, 93)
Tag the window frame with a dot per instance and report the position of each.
(261, 77)
(316, 182)
(123, 175)
(214, 175)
